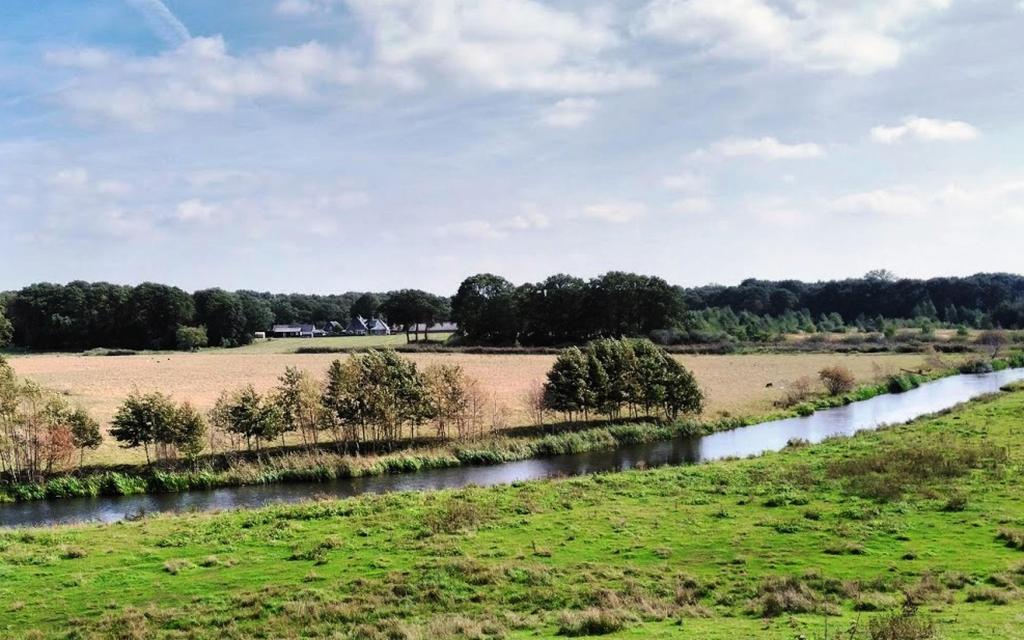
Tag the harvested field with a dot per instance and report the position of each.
(734, 384)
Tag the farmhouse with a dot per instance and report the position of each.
(359, 326)
(439, 327)
(296, 331)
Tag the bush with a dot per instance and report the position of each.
(901, 626)
(902, 383)
(190, 338)
(837, 380)
(1014, 538)
(592, 622)
(975, 365)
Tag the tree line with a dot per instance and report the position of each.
(568, 310)
(84, 315)
(489, 309)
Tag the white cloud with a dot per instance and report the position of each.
(504, 45)
(569, 113)
(199, 77)
(84, 58)
(685, 181)
(858, 38)
(897, 201)
(767, 148)
(479, 229)
(927, 129)
(614, 212)
(528, 220)
(304, 7)
(164, 23)
(196, 211)
(781, 216)
(75, 178)
(693, 205)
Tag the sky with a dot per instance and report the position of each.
(336, 145)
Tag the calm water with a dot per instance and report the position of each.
(759, 438)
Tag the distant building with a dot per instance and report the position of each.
(440, 327)
(362, 327)
(357, 327)
(296, 331)
(378, 327)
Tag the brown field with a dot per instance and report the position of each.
(734, 384)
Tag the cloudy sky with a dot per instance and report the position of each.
(332, 145)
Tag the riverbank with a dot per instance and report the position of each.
(843, 533)
(308, 468)
(324, 464)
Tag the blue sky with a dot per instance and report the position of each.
(333, 145)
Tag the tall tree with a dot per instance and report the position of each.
(486, 309)
(366, 306)
(223, 315)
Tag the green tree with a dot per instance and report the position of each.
(345, 401)
(298, 399)
(152, 314)
(259, 316)
(410, 308)
(566, 389)
(396, 394)
(190, 338)
(145, 420)
(223, 315)
(85, 431)
(189, 432)
(366, 306)
(448, 392)
(682, 394)
(486, 309)
(254, 418)
(618, 359)
(6, 330)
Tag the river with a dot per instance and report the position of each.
(759, 438)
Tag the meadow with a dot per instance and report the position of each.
(734, 385)
(912, 532)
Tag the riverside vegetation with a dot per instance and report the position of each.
(372, 402)
(372, 415)
(908, 533)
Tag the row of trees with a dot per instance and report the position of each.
(567, 310)
(489, 309)
(377, 397)
(39, 431)
(83, 315)
(611, 376)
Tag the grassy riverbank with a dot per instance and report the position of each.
(324, 464)
(848, 532)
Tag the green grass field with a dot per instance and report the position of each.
(845, 534)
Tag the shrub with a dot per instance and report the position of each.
(789, 594)
(956, 502)
(190, 338)
(798, 391)
(902, 383)
(975, 365)
(837, 380)
(1014, 538)
(592, 622)
(901, 626)
(990, 594)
